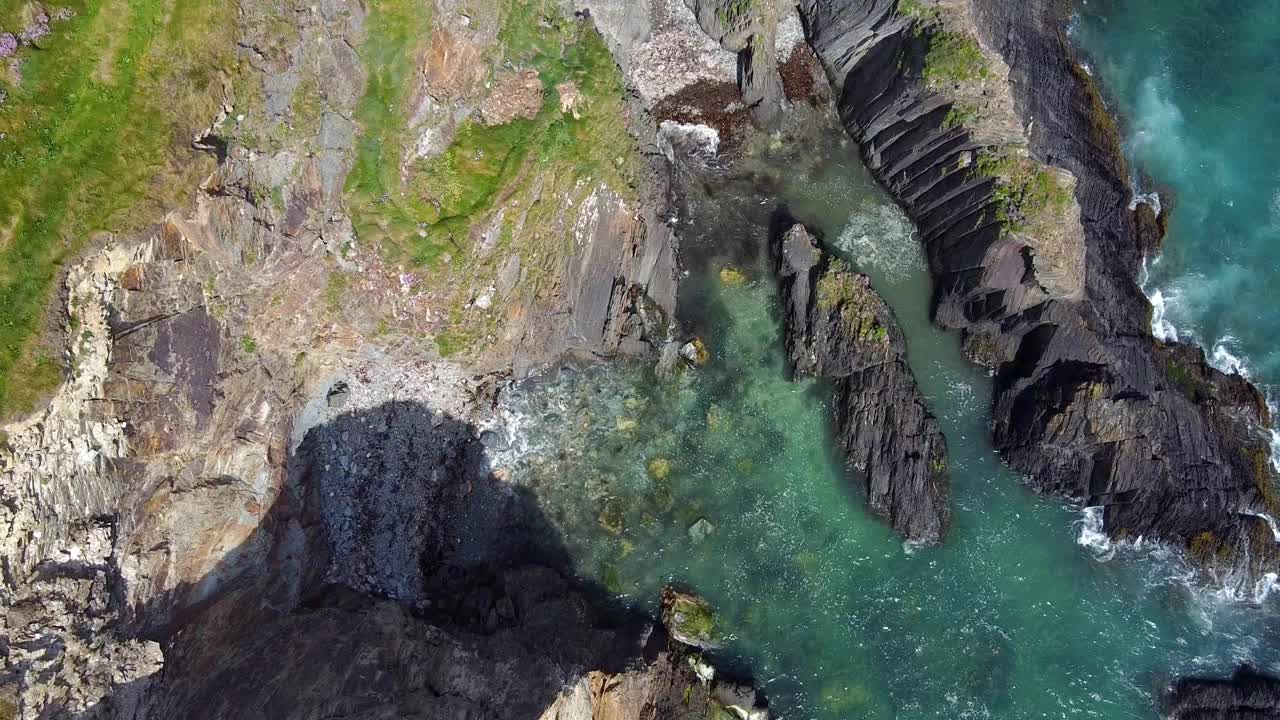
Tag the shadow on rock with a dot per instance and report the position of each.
(396, 577)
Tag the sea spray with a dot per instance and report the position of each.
(1092, 535)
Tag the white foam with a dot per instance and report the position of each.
(1228, 362)
(1161, 327)
(1092, 535)
(1151, 198)
(1275, 447)
(695, 140)
(1275, 529)
(882, 238)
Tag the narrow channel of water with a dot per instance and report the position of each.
(724, 480)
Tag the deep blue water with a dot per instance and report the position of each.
(1197, 85)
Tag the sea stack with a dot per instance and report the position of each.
(839, 329)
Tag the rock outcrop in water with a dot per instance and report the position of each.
(838, 328)
(1087, 403)
(1248, 695)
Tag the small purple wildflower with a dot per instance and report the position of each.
(35, 31)
(8, 45)
(38, 28)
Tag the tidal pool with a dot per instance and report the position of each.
(724, 480)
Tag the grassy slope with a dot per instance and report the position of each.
(97, 139)
(427, 219)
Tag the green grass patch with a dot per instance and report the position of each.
(919, 9)
(954, 58)
(450, 343)
(97, 138)
(397, 31)
(335, 291)
(960, 114)
(1028, 197)
(430, 213)
(433, 209)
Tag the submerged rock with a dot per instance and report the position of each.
(695, 352)
(732, 276)
(701, 530)
(659, 468)
(838, 328)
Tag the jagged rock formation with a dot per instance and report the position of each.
(1248, 695)
(838, 328)
(1087, 404)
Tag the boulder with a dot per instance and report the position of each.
(689, 619)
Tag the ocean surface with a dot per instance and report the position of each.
(1197, 86)
(724, 480)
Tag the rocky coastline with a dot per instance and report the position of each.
(1087, 404)
(191, 502)
(192, 506)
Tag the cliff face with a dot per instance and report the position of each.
(1087, 404)
(153, 508)
(838, 328)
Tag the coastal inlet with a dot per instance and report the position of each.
(724, 480)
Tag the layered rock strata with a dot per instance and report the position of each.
(1087, 403)
(1247, 695)
(838, 329)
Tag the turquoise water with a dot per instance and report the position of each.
(1013, 618)
(1198, 85)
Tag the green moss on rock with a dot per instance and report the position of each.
(954, 58)
(842, 290)
(1029, 198)
(689, 619)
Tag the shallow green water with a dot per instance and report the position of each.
(1012, 618)
(1198, 85)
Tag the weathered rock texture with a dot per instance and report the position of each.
(838, 328)
(157, 510)
(1248, 695)
(1087, 404)
(721, 64)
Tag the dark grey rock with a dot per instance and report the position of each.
(1247, 695)
(1087, 403)
(839, 329)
